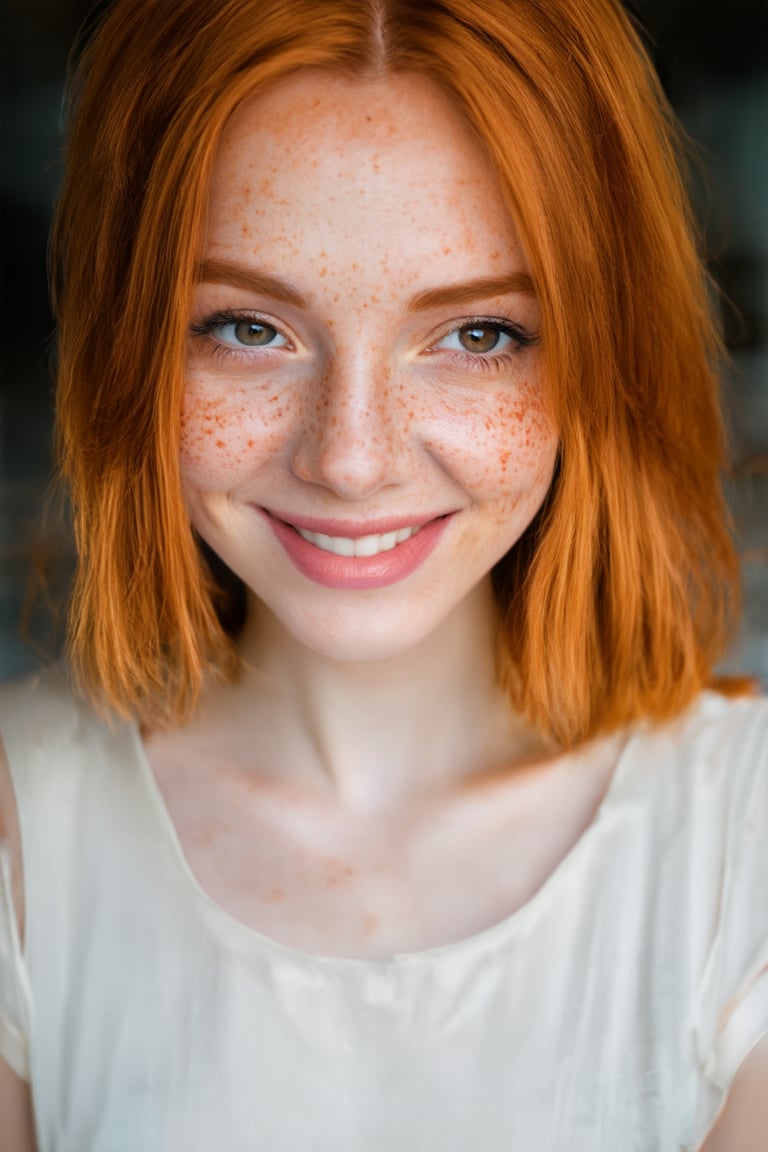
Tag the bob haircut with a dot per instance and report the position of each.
(617, 601)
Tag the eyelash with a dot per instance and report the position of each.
(489, 361)
(478, 361)
(207, 327)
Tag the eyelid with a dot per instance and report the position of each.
(512, 328)
(206, 327)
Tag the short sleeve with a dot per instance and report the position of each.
(14, 987)
(731, 1012)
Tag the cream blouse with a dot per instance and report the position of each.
(610, 1012)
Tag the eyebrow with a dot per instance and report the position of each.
(241, 276)
(486, 287)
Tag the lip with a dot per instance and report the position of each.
(357, 572)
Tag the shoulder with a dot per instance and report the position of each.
(50, 740)
(702, 782)
(719, 724)
(38, 703)
(716, 749)
(46, 727)
(723, 744)
(723, 753)
(33, 711)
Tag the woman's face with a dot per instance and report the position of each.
(364, 433)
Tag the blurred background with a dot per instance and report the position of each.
(712, 56)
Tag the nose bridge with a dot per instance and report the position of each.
(350, 440)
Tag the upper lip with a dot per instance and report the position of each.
(354, 529)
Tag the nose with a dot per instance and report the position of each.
(352, 438)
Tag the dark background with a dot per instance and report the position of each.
(712, 56)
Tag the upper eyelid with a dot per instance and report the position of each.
(505, 323)
(209, 323)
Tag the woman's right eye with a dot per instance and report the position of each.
(240, 332)
(251, 334)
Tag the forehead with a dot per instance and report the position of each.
(321, 159)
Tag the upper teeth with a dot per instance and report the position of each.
(360, 546)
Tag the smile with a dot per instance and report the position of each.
(371, 545)
(363, 560)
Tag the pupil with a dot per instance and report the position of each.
(479, 339)
(252, 333)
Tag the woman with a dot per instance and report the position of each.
(389, 809)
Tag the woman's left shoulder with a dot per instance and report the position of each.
(724, 756)
(719, 743)
(727, 725)
(706, 766)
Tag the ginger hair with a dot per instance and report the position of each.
(620, 596)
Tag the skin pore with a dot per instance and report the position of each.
(364, 352)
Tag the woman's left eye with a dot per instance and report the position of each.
(483, 336)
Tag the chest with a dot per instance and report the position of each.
(553, 1033)
(307, 873)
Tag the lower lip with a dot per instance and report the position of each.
(360, 572)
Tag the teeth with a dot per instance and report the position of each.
(361, 546)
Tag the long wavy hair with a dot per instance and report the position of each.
(619, 598)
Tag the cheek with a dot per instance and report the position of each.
(501, 445)
(224, 437)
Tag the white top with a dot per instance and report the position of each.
(610, 1012)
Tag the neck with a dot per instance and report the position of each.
(374, 735)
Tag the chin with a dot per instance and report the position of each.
(359, 636)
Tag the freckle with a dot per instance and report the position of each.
(273, 399)
(323, 271)
(250, 443)
(208, 431)
(370, 923)
(336, 872)
(447, 251)
(219, 443)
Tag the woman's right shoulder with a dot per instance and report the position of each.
(38, 704)
(39, 717)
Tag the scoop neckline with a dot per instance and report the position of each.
(243, 937)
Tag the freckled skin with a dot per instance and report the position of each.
(361, 199)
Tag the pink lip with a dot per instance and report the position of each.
(360, 572)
